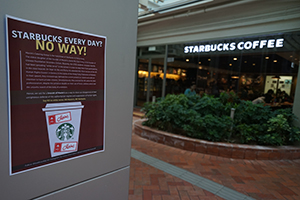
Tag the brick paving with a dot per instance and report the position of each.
(149, 183)
(258, 179)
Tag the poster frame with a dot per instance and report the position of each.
(7, 17)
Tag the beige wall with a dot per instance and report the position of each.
(98, 176)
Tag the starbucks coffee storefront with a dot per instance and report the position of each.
(247, 47)
(250, 66)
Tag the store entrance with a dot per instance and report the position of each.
(149, 85)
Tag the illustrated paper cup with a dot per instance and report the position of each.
(63, 124)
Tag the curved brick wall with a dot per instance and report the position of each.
(227, 150)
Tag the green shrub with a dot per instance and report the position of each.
(249, 133)
(280, 131)
(208, 118)
(209, 127)
(229, 98)
(209, 105)
(170, 113)
(248, 113)
(287, 113)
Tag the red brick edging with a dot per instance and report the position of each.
(250, 152)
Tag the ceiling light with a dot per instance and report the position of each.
(245, 61)
(209, 59)
(253, 64)
(199, 62)
(230, 64)
(187, 60)
(267, 58)
(275, 61)
(234, 58)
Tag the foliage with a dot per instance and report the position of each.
(209, 118)
(229, 98)
(248, 113)
(208, 127)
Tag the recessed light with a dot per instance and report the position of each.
(234, 58)
(230, 64)
(267, 58)
(209, 59)
(187, 60)
(253, 64)
(245, 61)
(199, 62)
(275, 61)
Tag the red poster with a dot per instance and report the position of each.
(56, 94)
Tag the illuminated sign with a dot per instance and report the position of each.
(257, 44)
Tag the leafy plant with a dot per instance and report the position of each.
(231, 98)
(208, 118)
(287, 113)
(209, 105)
(279, 130)
(248, 113)
(249, 133)
(208, 127)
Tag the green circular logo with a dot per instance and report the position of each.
(65, 131)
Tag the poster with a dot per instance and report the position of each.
(56, 80)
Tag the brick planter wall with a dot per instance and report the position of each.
(239, 151)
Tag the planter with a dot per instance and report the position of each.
(238, 151)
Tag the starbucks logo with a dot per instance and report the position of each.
(65, 131)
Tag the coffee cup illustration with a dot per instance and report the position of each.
(63, 124)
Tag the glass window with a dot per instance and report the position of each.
(149, 85)
(181, 70)
(251, 67)
(142, 82)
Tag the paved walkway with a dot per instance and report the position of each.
(200, 176)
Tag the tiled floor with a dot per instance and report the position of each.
(256, 179)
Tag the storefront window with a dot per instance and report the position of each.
(149, 85)
(142, 82)
(251, 67)
(181, 70)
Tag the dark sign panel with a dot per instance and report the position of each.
(56, 94)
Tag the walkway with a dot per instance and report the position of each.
(159, 172)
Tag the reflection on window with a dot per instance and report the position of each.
(250, 73)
